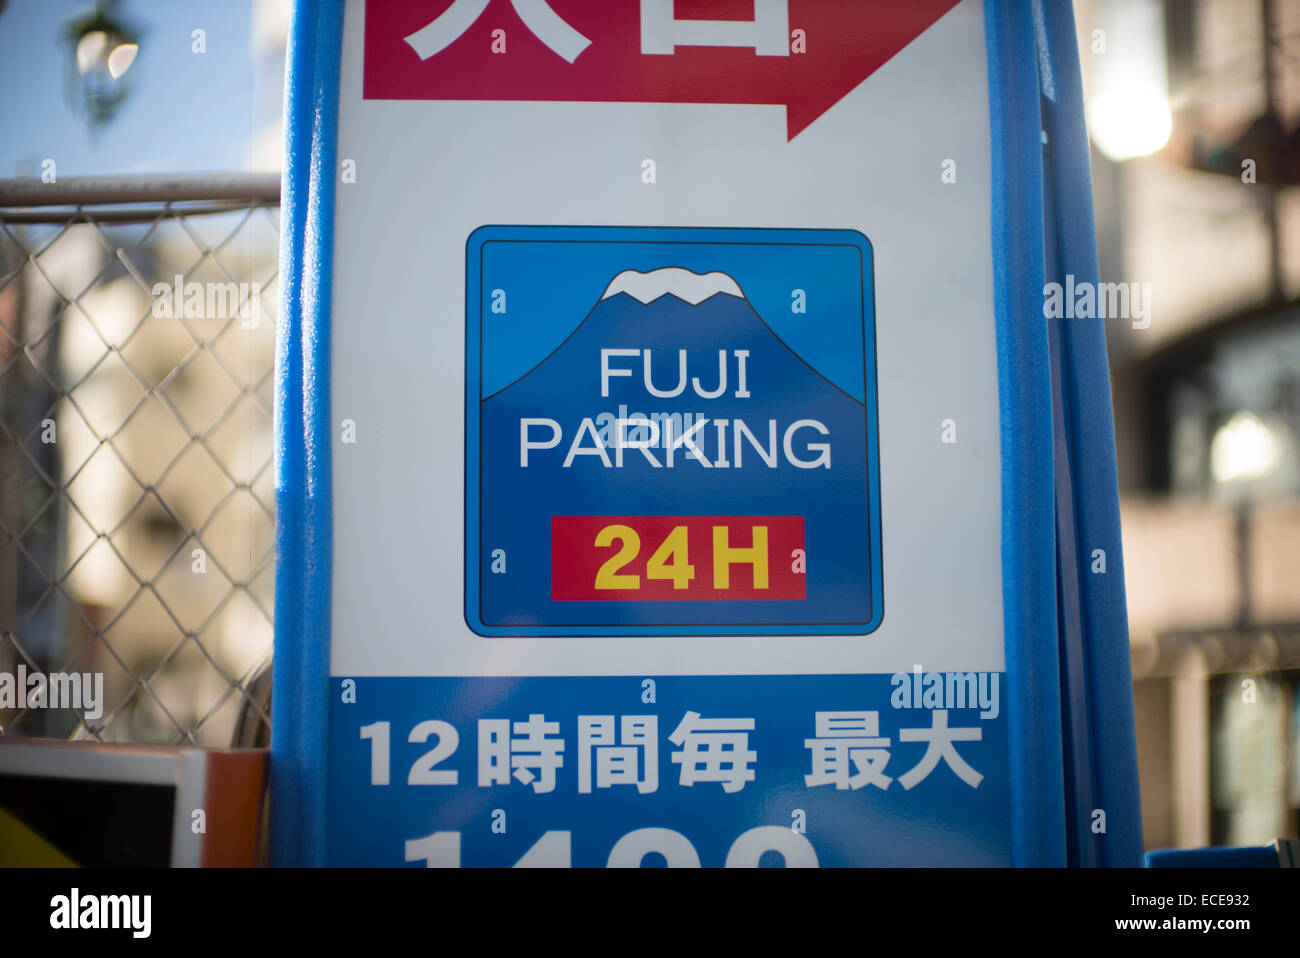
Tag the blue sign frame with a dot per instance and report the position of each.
(1058, 485)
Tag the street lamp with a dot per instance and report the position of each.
(101, 50)
(1128, 102)
(1243, 455)
(1131, 120)
(1243, 449)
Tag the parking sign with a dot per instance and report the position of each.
(667, 458)
(669, 399)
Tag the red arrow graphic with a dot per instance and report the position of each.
(831, 46)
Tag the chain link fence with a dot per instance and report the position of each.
(137, 335)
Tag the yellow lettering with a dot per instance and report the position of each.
(724, 555)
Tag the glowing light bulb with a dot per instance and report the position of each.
(1129, 122)
(1243, 448)
(120, 60)
(90, 49)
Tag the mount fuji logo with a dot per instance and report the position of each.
(664, 459)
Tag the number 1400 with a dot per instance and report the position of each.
(555, 849)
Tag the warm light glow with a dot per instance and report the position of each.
(1243, 448)
(90, 48)
(120, 60)
(1129, 122)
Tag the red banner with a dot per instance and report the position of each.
(803, 54)
(682, 558)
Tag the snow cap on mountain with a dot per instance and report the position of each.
(693, 288)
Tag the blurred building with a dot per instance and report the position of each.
(136, 488)
(1194, 112)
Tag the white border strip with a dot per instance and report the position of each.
(142, 768)
(191, 786)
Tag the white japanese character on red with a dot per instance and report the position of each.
(537, 15)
